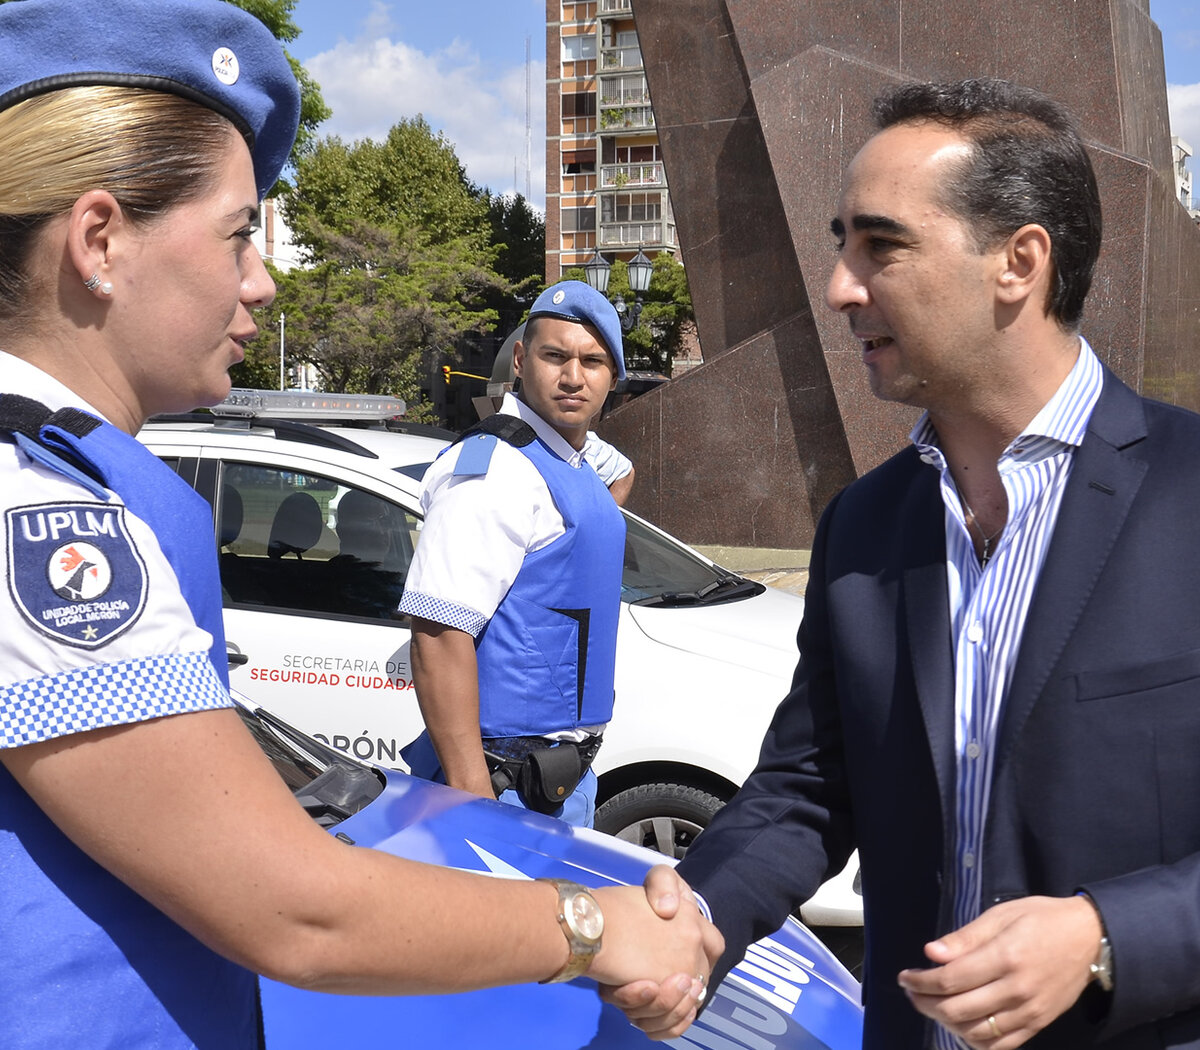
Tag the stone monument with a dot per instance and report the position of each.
(760, 104)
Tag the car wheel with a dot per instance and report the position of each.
(662, 817)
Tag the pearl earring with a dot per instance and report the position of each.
(106, 288)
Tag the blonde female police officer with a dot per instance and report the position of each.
(150, 858)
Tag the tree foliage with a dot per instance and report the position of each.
(372, 313)
(401, 264)
(519, 233)
(412, 182)
(666, 305)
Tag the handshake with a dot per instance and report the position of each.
(658, 951)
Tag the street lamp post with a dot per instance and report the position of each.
(597, 271)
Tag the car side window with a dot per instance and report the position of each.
(309, 544)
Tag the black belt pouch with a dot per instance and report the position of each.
(549, 775)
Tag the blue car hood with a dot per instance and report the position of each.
(789, 993)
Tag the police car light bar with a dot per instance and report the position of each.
(295, 405)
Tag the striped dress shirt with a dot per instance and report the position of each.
(989, 603)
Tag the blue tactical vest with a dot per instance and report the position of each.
(108, 969)
(546, 657)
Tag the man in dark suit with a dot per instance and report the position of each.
(998, 696)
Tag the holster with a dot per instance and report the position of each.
(547, 774)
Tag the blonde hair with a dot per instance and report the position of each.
(151, 150)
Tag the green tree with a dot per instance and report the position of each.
(411, 183)
(666, 305)
(371, 315)
(400, 269)
(407, 263)
(518, 233)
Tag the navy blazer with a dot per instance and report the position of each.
(1097, 771)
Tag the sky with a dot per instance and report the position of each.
(461, 64)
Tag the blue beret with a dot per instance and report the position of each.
(580, 302)
(205, 50)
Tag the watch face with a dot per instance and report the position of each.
(586, 917)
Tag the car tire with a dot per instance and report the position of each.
(667, 818)
(663, 817)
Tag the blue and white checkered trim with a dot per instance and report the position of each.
(108, 695)
(427, 607)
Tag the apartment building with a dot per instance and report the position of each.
(606, 189)
(1181, 152)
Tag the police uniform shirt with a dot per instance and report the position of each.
(609, 463)
(478, 529)
(111, 641)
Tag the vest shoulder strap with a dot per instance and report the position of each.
(24, 415)
(479, 442)
(512, 429)
(30, 422)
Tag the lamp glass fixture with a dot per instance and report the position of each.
(640, 271)
(597, 270)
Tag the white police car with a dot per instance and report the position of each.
(788, 993)
(316, 526)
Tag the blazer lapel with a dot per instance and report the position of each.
(927, 618)
(1104, 482)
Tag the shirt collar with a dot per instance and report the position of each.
(18, 375)
(1064, 418)
(514, 406)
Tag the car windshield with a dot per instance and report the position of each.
(329, 785)
(659, 571)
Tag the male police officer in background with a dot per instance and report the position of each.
(515, 587)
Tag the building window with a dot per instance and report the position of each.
(631, 207)
(578, 48)
(579, 104)
(579, 162)
(578, 219)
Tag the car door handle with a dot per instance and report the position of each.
(237, 659)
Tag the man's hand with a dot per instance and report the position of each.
(663, 1005)
(1001, 979)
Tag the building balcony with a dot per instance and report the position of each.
(659, 234)
(621, 58)
(632, 176)
(616, 7)
(628, 89)
(623, 99)
(626, 118)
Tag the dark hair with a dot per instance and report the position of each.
(1028, 165)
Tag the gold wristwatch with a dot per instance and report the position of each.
(582, 924)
